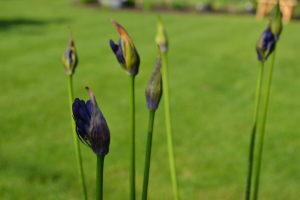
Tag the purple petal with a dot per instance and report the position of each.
(86, 127)
(84, 114)
(89, 107)
(75, 107)
(113, 46)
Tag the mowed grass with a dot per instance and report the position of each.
(213, 70)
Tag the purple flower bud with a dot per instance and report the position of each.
(266, 44)
(125, 51)
(91, 126)
(154, 87)
(69, 58)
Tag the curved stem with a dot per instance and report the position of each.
(76, 141)
(148, 155)
(252, 140)
(261, 136)
(132, 139)
(99, 177)
(168, 124)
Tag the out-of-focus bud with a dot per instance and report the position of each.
(91, 126)
(69, 58)
(125, 51)
(266, 44)
(161, 37)
(276, 25)
(154, 87)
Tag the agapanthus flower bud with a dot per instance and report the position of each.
(69, 58)
(266, 44)
(125, 51)
(161, 37)
(154, 87)
(91, 126)
(276, 25)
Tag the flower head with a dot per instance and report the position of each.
(276, 26)
(265, 44)
(69, 58)
(125, 51)
(91, 127)
(154, 87)
(161, 37)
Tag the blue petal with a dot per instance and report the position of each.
(75, 107)
(89, 107)
(81, 132)
(87, 128)
(84, 114)
(113, 46)
(79, 123)
(70, 56)
(82, 103)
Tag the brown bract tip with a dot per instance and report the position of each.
(91, 94)
(120, 28)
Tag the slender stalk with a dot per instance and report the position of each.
(261, 136)
(99, 177)
(252, 140)
(132, 138)
(148, 155)
(168, 124)
(76, 141)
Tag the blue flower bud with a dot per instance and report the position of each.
(69, 58)
(154, 87)
(91, 126)
(266, 44)
(125, 51)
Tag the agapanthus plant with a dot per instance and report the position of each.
(162, 41)
(129, 59)
(70, 61)
(92, 130)
(265, 46)
(153, 95)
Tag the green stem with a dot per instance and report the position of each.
(261, 136)
(76, 141)
(99, 177)
(252, 140)
(168, 124)
(148, 155)
(132, 139)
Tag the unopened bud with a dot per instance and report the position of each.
(154, 87)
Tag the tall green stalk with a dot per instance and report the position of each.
(168, 124)
(252, 140)
(99, 177)
(148, 155)
(132, 138)
(76, 141)
(262, 132)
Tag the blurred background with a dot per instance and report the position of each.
(213, 69)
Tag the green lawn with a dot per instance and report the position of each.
(213, 69)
